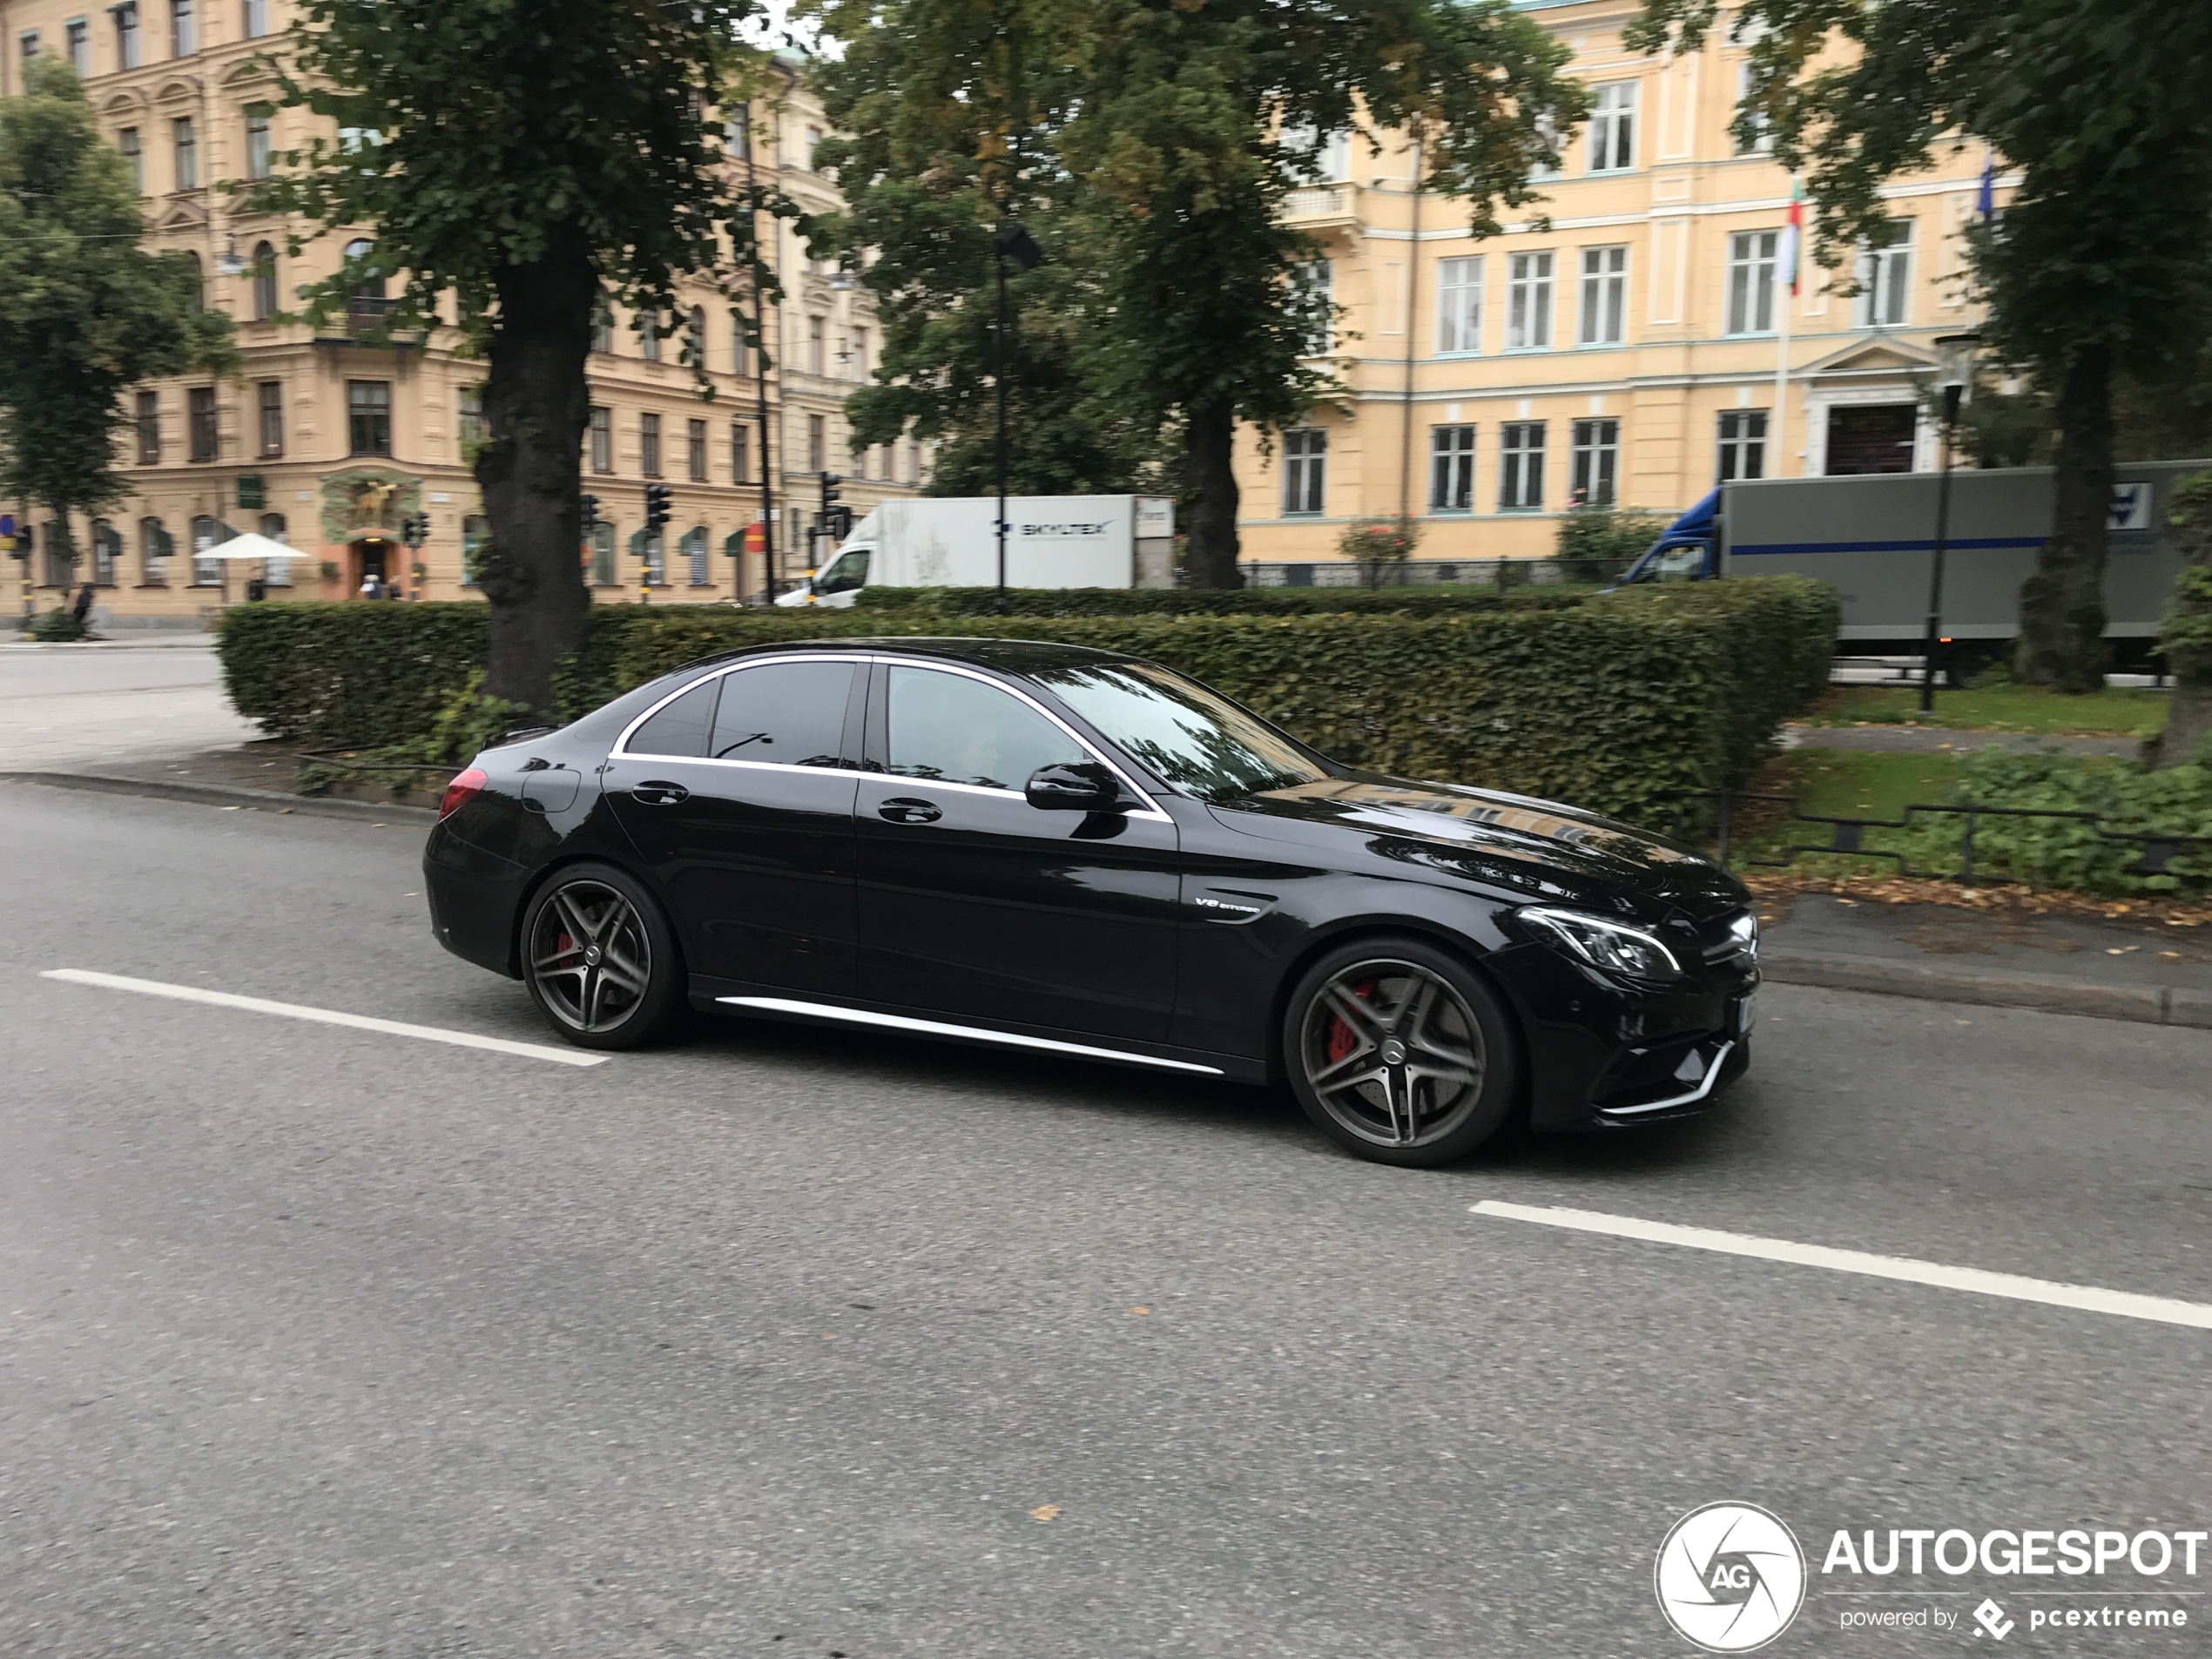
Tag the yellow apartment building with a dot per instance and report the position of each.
(1630, 346)
(329, 439)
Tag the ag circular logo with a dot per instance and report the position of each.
(1730, 1577)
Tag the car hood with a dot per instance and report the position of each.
(1537, 847)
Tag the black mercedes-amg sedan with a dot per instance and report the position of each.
(1045, 848)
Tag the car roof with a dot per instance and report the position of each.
(1018, 656)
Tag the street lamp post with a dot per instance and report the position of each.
(1011, 240)
(1955, 373)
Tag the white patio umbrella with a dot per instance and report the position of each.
(250, 547)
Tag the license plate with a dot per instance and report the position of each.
(1746, 1011)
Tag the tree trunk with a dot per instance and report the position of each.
(1209, 447)
(536, 407)
(2186, 634)
(2062, 605)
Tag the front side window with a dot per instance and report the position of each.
(259, 152)
(1750, 281)
(368, 417)
(1528, 302)
(1520, 466)
(1458, 306)
(200, 403)
(603, 440)
(1596, 461)
(1743, 445)
(1885, 279)
(648, 444)
(1605, 297)
(951, 729)
(1613, 128)
(1450, 469)
(848, 572)
(148, 421)
(270, 405)
(185, 139)
(1305, 458)
(184, 28)
(265, 282)
(1201, 743)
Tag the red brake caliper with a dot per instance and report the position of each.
(1342, 1039)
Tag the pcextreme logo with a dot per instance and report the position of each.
(1729, 1577)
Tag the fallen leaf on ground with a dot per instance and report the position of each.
(1044, 1512)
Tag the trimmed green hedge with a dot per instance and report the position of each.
(1217, 602)
(1606, 703)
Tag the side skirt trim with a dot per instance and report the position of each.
(977, 1034)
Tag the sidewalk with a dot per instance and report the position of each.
(1931, 740)
(2143, 971)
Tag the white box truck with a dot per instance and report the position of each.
(950, 542)
(1874, 537)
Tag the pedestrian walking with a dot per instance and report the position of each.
(83, 608)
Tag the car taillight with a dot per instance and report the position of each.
(462, 789)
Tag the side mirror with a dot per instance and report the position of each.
(1082, 787)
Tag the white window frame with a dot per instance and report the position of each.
(1739, 449)
(1603, 319)
(1320, 277)
(1763, 144)
(1305, 471)
(1520, 467)
(1752, 256)
(1884, 298)
(1528, 299)
(1458, 306)
(1594, 443)
(1613, 127)
(1451, 469)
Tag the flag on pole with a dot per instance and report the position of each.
(1986, 201)
(1786, 263)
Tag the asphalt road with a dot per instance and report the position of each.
(328, 1342)
(65, 704)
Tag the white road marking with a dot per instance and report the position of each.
(2087, 1297)
(325, 1016)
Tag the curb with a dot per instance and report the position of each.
(2144, 1004)
(354, 811)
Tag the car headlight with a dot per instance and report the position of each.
(1612, 945)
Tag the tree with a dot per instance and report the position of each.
(2186, 634)
(527, 155)
(85, 310)
(1170, 128)
(2099, 266)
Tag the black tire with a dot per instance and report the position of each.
(583, 937)
(1446, 1066)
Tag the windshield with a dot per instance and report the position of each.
(1201, 743)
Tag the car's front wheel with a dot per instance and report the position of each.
(600, 958)
(1399, 1052)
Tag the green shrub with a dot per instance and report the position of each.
(1216, 602)
(2063, 851)
(58, 627)
(1605, 704)
(1597, 543)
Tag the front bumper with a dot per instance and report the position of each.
(1604, 1055)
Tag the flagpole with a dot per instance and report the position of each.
(1782, 384)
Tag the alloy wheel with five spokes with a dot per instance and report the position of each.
(591, 956)
(1393, 1055)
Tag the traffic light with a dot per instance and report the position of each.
(414, 529)
(831, 494)
(659, 499)
(590, 515)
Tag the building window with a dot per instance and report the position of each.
(371, 286)
(186, 143)
(813, 143)
(1885, 279)
(603, 324)
(1613, 128)
(184, 28)
(603, 555)
(154, 546)
(265, 282)
(278, 571)
(693, 548)
(1605, 296)
(695, 451)
(201, 402)
(107, 553)
(127, 36)
(270, 403)
(77, 37)
(652, 553)
(258, 149)
(1596, 461)
(28, 42)
(1450, 478)
(148, 425)
(695, 338)
(1305, 460)
(603, 440)
(196, 300)
(1520, 466)
(1750, 281)
(206, 536)
(648, 445)
(1528, 302)
(368, 417)
(817, 444)
(738, 455)
(1743, 445)
(740, 352)
(737, 138)
(1761, 134)
(469, 405)
(814, 326)
(257, 18)
(1458, 306)
(649, 335)
(1320, 278)
(859, 364)
(476, 536)
(1329, 153)
(133, 154)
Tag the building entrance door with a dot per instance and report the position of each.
(370, 559)
(1871, 437)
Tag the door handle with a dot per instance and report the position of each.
(657, 793)
(909, 809)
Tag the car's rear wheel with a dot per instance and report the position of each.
(1399, 1052)
(600, 958)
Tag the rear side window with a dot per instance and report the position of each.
(681, 728)
(786, 714)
